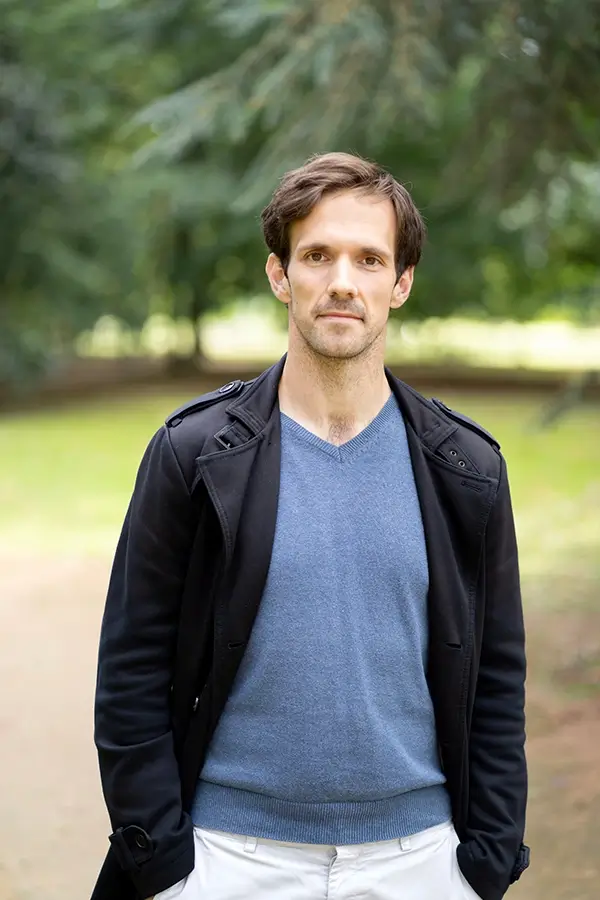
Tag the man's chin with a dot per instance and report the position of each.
(337, 350)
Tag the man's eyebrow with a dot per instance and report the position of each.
(375, 251)
(318, 247)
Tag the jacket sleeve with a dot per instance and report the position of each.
(495, 821)
(152, 838)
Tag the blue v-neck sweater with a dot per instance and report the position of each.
(328, 735)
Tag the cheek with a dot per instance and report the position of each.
(308, 285)
(383, 295)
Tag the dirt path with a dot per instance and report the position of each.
(565, 808)
(53, 825)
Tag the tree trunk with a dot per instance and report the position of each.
(573, 393)
(196, 311)
(194, 362)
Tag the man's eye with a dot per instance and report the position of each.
(315, 256)
(371, 261)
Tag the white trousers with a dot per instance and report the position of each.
(234, 867)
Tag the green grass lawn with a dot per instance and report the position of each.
(66, 474)
(555, 482)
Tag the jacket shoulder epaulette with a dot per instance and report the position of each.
(469, 423)
(231, 389)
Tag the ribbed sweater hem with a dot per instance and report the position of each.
(246, 812)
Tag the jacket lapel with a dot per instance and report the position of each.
(455, 506)
(243, 485)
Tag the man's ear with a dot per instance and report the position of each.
(402, 288)
(277, 278)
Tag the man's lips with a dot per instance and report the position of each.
(335, 315)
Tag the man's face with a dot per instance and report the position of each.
(341, 280)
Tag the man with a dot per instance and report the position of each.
(311, 669)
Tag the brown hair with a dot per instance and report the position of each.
(300, 190)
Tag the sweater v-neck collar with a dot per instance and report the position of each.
(349, 449)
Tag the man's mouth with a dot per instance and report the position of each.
(337, 315)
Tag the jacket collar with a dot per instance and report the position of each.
(255, 406)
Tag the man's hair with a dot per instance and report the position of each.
(300, 190)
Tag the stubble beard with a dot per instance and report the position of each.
(331, 348)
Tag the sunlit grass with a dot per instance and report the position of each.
(554, 476)
(66, 474)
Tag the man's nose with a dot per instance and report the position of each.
(342, 279)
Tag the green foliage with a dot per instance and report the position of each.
(139, 140)
(511, 95)
(481, 111)
(438, 96)
(65, 251)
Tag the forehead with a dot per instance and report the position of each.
(347, 218)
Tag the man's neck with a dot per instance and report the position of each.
(335, 399)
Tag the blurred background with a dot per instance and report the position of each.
(138, 144)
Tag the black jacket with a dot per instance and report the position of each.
(186, 584)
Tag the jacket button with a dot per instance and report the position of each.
(228, 387)
(141, 841)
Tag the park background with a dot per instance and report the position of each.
(138, 144)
